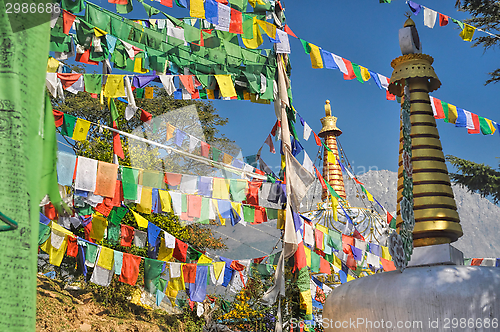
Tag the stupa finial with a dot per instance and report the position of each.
(328, 108)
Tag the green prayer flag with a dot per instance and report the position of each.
(306, 46)
(315, 261)
(460, 24)
(247, 26)
(116, 215)
(113, 110)
(43, 233)
(97, 17)
(184, 203)
(205, 211)
(445, 111)
(248, 213)
(215, 153)
(73, 6)
(239, 5)
(357, 72)
(150, 10)
(336, 239)
(91, 253)
(59, 41)
(253, 82)
(192, 34)
(129, 182)
(272, 214)
(93, 83)
(237, 190)
(139, 93)
(68, 125)
(203, 93)
(303, 279)
(152, 271)
(114, 233)
(485, 127)
(85, 211)
(393, 223)
(120, 29)
(153, 179)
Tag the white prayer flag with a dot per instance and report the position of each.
(429, 17)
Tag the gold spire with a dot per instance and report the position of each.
(436, 218)
(331, 172)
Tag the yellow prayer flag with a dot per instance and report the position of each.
(335, 204)
(106, 258)
(141, 221)
(146, 200)
(386, 254)
(331, 158)
(114, 86)
(60, 229)
(55, 255)
(337, 262)
(350, 277)
(253, 3)
(99, 225)
(365, 74)
(222, 220)
(369, 196)
(257, 40)
(467, 33)
(283, 163)
(315, 54)
(166, 205)
(452, 113)
(254, 98)
(138, 68)
(227, 159)
(210, 94)
(226, 85)
(176, 283)
(281, 219)
(269, 28)
(197, 9)
(148, 92)
(164, 253)
(204, 260)
(491, 125)
(220, 189)
(81, 130)
(99, 32)
(306, 301)
(52, 65)
(308, 256)
(218, 266)
(170, 131)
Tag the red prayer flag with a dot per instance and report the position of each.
(258, 260)
(189, 273)
(168, 3)
(476, 261)
(477, 128)
(173, 179)
(389, 96)
(68, 79)
(324, 266)
(237, 266)
(195, 95)
(127, 235)
(50, 211)
(58, 117)
(117, 143)
(275, 127)
(317, 139)
(224, 2)
(351, 262)
(269, 141)
(443, 20)
(253, 192)
(87, 229)
(350, 72)
(236, 24)
(300, 260)
(347, 242)
(318, 237)
(321, 180)
(130, 269)
(357, 235)
(194, 206)
(85, 58)
(205, 148)
(118, 197)
(72, 249)
(187, 82)
(180, 250)
(145, 116)
(387, 265)
(289, 31)
(68, 20)
(103, 209)
(439, 108)
(260, 215)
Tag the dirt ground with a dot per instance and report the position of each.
(62, 310)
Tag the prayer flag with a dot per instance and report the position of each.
(485, 127)
(256, 39)
(414, 7)
(141, 221)
(476, 124)
(429, 17)
(315, 54)
(81, 130)
(437, 108)
(130, 269)
(289, 31)
(114, 87)
(492, 127)
(350, 72)
(106, 179)
(235, 25)
(452, 114)
(467, 32)
(365, 74)
(197, 9)
(443, 20)
(226, 86)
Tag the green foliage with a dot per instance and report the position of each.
(479, 178)
(486, 16)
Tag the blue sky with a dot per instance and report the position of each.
(366, 32)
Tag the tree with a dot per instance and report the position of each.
(486, 16)
(479, 178)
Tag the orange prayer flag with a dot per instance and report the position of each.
(106, 179)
